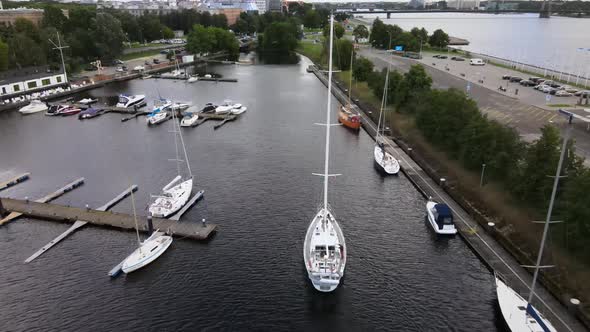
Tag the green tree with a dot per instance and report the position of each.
(338, 31)
(108, 37)
(344, 51)
(131, 27)
(415, 85)
(341, 16)
(167, 32)
(200, 40)
(82, 17)
(3, 56)
(27, 28)
(312, 19)
(576, 214)
(219, 21)
(54, 17)
(225, 41)
(420, 34)
(151, 28)
(278, 43)
(361, 69)
(24, 52)
(439, 39)
(360, 31)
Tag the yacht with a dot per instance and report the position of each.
(179, 106)
(223, 109)
(34, 106)
(440, 218)
(72, 110)
(192, 79)
(189, 119)
(237, 111)
(384, 161)
(157, 118)
(87, 101)
(90, 113)
(56, 110)
(324, 246)
(209, 108)
(126, 101)
(347, 115)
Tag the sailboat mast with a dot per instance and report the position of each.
(175, 142)
(327, 157)
(550, 210)
(383, 104)
(188, 166)
(135, 219)
(350, 84)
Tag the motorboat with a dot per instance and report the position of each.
(189, 120)
(324, 246)
(384, 161)
(519, 314)
(90, 113)
(179, 106)
(237, 111)
(176, 193)
(56, 110)
(176, 73)
(440, 218)
(72, 110)
(209, 108)
(223, 109)
(34, 106)
(87, 101)
(147, 252)
(157, 118)
(126, 101)
(192, 79)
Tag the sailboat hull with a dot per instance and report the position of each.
(149, 251)
(514, 311)
(174, 199)
(349, 119)
(385, 163)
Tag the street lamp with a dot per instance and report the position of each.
(483, 169)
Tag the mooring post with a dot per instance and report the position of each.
(150, 225)
(2, 211)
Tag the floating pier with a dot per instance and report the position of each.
(81, 223)
(60, 213)
(107, 109)
(213, 116)
(68, 187)
(207, 79)
(14, 181)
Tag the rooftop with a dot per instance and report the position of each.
(25, 74)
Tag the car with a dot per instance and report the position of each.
(570, 89)
(553, 91)
(443, 57)
(582, 93)
(539, 87)
(552, 84)
(515, 79)
(138, 68)
(534, 79)
(457, 58)
(156, 61)
(527, 83)
(90, 68)
(477, 62)
(124, 68)
(118, 62)
(164, 51)
(147, 63)
(437, 56)
(562, 93)
(119, 70)
(546, 89)
(506, 77)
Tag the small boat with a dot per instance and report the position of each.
(192, 79)
(70, 111)
(157, 118)
(148, 251)
(34, 106)
(176, 73)
(126, 101)
(56, 110)
(385, 161)
(90, 113)
(440, 218)
(179, 106)
(87, 101)
(209, 108)
(238, 111)
(349, 118)
(223, 109)
(189, 119)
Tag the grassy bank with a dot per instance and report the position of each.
(137, 55)
(311, 50)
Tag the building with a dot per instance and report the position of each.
(9, 16)
(463, 4)
(275, 5)
(31, 78)
(261, 6)
(416, 4)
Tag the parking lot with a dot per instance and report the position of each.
(130, 64)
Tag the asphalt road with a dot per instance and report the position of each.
(525, 117)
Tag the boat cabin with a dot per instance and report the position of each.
(442, 215)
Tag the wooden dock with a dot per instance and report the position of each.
(107, 109)
(480, 239)
(14, 181)
(60, 213)
(224, 118)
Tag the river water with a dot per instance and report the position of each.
(259, 189)
(550, 43)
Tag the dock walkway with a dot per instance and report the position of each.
(490, 252)
(54, 212)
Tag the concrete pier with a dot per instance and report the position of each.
(491, 253)
(14, 181)
(54, 212)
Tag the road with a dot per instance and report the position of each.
(507, 109)
(129, 63)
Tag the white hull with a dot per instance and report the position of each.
(446, 230)
(130, 101)
(157, 118)
(386, 162)
(223, 109)
(513, 308)
(33, 107)
(179, 106)
(240, 110)
(325, 267)
(172, 200)
(192, 79)
(150, 250)
(189, 121)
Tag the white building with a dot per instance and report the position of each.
(261, 5)
(26, 79)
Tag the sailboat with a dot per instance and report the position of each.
(383, 159)
(148, 250)
(520, 314)
(176, 193)
(324, 247)
(347, 115)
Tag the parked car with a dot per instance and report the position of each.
(527, 83)
(90, 68)
(156, 61)
(539, 87)
(119, 70)
(477, 62)
(546, 89)
(164, 51)
(553, 91)
(553, 84)
(534, 79)
(147, 63)
(124, 68)
(506, 77)
(582, 93)
(457, 58)
(118, 62)
(515, 79)
(437, 56)
(138, 68)
(570, 89)
(562, 93)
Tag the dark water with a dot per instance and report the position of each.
(259, 188)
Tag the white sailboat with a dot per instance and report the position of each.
(324, 247)
(176, 193)
(384, 161)
(148, 250)
(520, 314)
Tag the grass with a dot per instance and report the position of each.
(127, 57)
(560, 105)
(311, 50)
(138, 45)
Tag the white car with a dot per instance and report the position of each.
(546, 89)
(119, 70)
(138, 68)
(562, 93)
(570, 89)
(477, 62)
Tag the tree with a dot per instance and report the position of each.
(420, 34)
(278, 43)
(338, 31)
(3, 56)
(54, 17)
(219, 21)
(312, 19)
(167, 33)
(24, 52)
(360, 32)
(415, 84)
(108, 37)
(341, 16)
(439, 39)
(361, 69)
(199, 40)
(344, 51)
(241, 26)
(151, 28)
(130, 27)
(27, 28)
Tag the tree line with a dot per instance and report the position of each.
(452, 122)
(385, 36)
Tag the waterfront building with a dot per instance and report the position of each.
(463, 4)
(9, 16)
(31, 78)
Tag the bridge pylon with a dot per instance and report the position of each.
(545, 9)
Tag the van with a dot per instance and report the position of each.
(477, 62)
